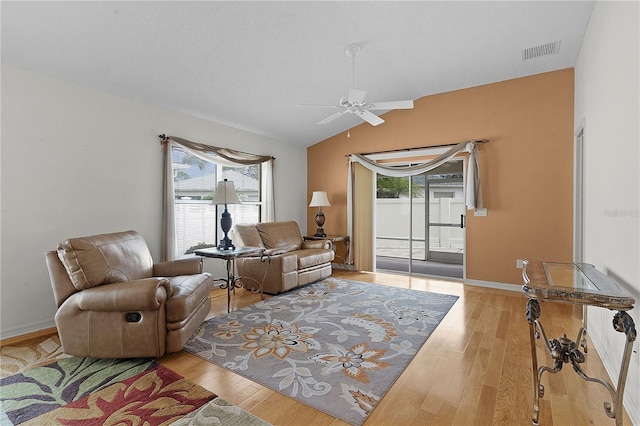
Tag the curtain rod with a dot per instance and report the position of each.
(422, 147)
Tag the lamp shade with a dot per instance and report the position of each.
(319, 199)
(225, 193)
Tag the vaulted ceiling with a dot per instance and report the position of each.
(248, 64)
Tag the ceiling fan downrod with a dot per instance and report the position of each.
(351, 51)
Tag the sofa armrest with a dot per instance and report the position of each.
(272, 252)
(173, 268)
(147, 294)
(317, 244)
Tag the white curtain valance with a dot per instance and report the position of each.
(473, 196)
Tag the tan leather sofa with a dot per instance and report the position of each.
(114, 302)
(288, 260)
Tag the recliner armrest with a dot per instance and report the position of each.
(147, 294)
(272, 252)
(173, 268)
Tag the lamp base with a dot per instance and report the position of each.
(320, 233)
(320, 223)
(226, 244)
(225, 224)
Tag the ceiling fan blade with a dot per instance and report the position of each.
(392, 105)
(331, 117)
(356, 96)
(369, 117)
(318, 106)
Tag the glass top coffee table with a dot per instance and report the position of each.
(581, 284)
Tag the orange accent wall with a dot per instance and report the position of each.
(526, 169)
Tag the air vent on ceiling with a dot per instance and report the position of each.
(540, 51)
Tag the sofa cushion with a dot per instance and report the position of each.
(313, 257)
(281, 235)
(105, 258)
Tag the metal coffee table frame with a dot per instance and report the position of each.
(232, 282)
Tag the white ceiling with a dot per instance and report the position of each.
(248, 64)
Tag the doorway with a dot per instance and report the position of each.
(420, 222)
(579, 191)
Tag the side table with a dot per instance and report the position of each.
(334, 239)
(231, 282)
(581, 284)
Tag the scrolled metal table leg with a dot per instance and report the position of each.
(533, 313)
(230, 279)
(582, 334)
(623, 323)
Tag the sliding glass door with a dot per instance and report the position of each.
(445, 218)
(420, 220)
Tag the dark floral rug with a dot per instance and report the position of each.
(336, 345)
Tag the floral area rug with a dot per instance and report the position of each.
(42, 386)
(336, 345)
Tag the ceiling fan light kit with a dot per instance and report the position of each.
(354, 103)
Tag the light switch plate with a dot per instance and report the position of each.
(480, 212)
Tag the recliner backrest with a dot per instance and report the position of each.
(246, 234)
(280, 235)
(105, 258)
(60, 281)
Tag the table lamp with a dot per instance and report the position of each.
(319, 199)
(225, 194)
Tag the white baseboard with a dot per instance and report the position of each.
(495, 285)
(26, 329)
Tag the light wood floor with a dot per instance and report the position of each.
(475, 369)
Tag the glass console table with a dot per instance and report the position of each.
(581, 284)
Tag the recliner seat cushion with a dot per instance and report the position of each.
(105, 259)
(313, 257)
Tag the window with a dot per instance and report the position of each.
(194, 180)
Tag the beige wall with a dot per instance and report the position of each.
(527, 168)
(607, 107)
(80, 161)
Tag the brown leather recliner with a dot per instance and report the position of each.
(287, 261)
(114, 302)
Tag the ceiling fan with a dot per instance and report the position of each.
(354, 103)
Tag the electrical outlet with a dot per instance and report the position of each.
(519, 264)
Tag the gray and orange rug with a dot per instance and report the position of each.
(336, 345)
